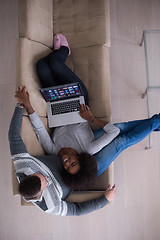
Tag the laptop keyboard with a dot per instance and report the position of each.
(65, 107)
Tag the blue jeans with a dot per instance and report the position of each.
(52, 71)
(130, 133)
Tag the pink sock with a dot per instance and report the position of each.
(60, 40)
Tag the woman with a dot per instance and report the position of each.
(130, 133)
(74, 143)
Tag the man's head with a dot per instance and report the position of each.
(32, 186)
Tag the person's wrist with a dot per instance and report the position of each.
(92, 119)
(27, 104)
(18, 104)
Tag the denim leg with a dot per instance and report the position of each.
(127, 126)
(134, 135)
(138, 133)
(106, 156)
(98, 133)
(44, 72)
(61, 54)
(52, 71)
(63, 74)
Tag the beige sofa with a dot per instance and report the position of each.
(86, 24)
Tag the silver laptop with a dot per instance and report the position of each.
(63, 104)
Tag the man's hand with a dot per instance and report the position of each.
(85, 113)
(110, 193)
(22, 96)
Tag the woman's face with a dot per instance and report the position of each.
(70, 160)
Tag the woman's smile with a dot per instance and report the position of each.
(71, 163)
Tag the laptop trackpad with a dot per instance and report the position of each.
(65, 119)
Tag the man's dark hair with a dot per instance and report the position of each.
(85, 176)
(30, 186)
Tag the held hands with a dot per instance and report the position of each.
(85, 113)
(22, 95)
(110, 193)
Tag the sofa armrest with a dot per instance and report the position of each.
(36, 20)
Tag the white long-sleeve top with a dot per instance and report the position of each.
(77, 136)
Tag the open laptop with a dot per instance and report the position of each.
(63, 103)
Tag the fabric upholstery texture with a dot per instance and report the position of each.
(84, 22)
(36, 20)
(91, 65)
(28, 53)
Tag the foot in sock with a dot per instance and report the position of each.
(60, 40)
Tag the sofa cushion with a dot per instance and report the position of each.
(92, 66)
(36, 20)
(84, 22)
(28, 53)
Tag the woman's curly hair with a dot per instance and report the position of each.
(85, 176)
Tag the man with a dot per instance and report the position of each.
(40, 177)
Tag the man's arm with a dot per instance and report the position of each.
(16, 143)
(78, 209)
(43, 137)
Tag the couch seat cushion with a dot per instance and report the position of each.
(92, 66)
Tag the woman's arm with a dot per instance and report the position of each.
(111, 131)
(42, 134)
(87, 115)
(23, 97)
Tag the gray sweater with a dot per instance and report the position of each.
(77, 136)
(54, 195)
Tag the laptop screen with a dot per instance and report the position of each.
(61, 92)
